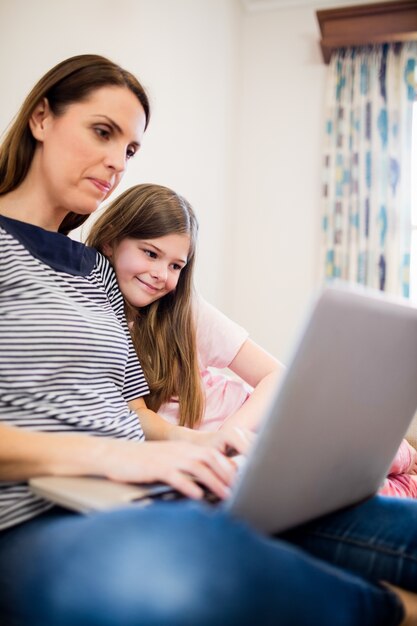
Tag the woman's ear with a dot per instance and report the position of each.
(37, 120)
(107, 250)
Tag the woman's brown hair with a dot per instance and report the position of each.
(70, 81)
(163, 332)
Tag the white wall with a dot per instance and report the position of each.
(184, 51)
(277, 173)
(236, 127)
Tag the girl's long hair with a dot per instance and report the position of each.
(164, 333)
(70, 81)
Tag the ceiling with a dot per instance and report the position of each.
(268, 5)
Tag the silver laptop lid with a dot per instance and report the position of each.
(338, 417)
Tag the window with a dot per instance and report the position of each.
(413, 267)
(373, 23)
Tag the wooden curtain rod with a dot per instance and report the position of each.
(382, 22)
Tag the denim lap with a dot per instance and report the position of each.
(176, 564)
(377, 539)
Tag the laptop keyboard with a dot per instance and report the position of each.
(173, 495)
(169, 495)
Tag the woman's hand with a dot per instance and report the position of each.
(26, 454)
(180, 464)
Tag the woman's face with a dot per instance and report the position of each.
(148, 269)
(82, 154)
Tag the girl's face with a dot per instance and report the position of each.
(148, 269)
(82, 154)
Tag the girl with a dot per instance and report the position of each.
(71, 392)
(149, 234)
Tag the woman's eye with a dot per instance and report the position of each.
(130, 153)
(104, 133)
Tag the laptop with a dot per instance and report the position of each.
(331, 430)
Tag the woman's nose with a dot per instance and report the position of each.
(116, 158)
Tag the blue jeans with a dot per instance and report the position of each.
(377, 539)
(183, 564)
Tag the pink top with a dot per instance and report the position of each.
(402, 476)
(219, 339)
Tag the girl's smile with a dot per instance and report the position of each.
(151, 288)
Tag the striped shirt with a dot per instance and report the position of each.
(67, 363)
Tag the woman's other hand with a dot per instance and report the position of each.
(185, 466)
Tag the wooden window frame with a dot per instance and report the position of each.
(364, 24)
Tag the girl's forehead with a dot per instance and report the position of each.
(175, 238)
(173, 243)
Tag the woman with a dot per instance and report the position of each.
(71, 394)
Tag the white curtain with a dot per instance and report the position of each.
(367, 166)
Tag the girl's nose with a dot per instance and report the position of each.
(160, 271)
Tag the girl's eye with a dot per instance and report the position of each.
(150, 253)
(176, 267)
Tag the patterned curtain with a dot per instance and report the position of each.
(367, 166)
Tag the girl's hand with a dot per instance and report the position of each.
(226, 440)
(229, 438)
(177, 463)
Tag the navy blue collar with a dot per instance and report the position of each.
(54, 249)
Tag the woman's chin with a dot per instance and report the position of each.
(86, 206)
